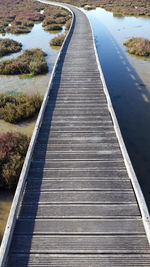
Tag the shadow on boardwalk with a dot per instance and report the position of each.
(35, 176)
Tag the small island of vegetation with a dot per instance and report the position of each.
(13, 149)
(53, 27)
(30, 62)
(58, 40)
(17, 108)
(8, 46)
(89, 7)
(138, 46)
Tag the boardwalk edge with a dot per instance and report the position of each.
(137, 189)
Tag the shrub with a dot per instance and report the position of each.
(13, 148)
(68, 24)
(17, 29)
(48, 20)
(31, 61)
(58, 41)
(138, 46)
(89, 7)
(8, 46)
(60, 20)
(16, 108)
(53, 27)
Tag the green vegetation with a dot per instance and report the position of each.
(31, 61)
(16, 108)
(138, 46)
(13, 149)
(57, 41)
(8, 46)
(53, 27)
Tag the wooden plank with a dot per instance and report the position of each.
(79, 226)
(80, 211)
(79, 184)
(76, 140)
(78, 164)
(76, 148)
(103, 197)
(85, 260)
(106, 134)
(101, 156)
(35, 173)
(80, 244)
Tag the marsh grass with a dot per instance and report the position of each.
(23, 14)
(58, 40)
(53, 27)
(13, 149)
(30, 62)
(8, 46)
(138, 46)
(17, 108)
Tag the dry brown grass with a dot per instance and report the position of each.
(138, 46)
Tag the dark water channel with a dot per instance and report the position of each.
(128, 82)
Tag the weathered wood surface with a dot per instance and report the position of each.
(79, 207)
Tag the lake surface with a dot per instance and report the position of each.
(128, 81)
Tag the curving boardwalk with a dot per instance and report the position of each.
(79, 206)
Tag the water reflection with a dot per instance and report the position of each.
(128, 82)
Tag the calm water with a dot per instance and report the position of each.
(128, 81)
(37, 38)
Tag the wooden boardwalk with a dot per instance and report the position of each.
(79, 206)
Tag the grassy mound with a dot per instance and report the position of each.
(138, 46)
(57, 41)
(16, 108)
(8, 46)
(89, 7)
(13, 148)
(14, 29)
(68, 24)
(53, 27)
(31, 61)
